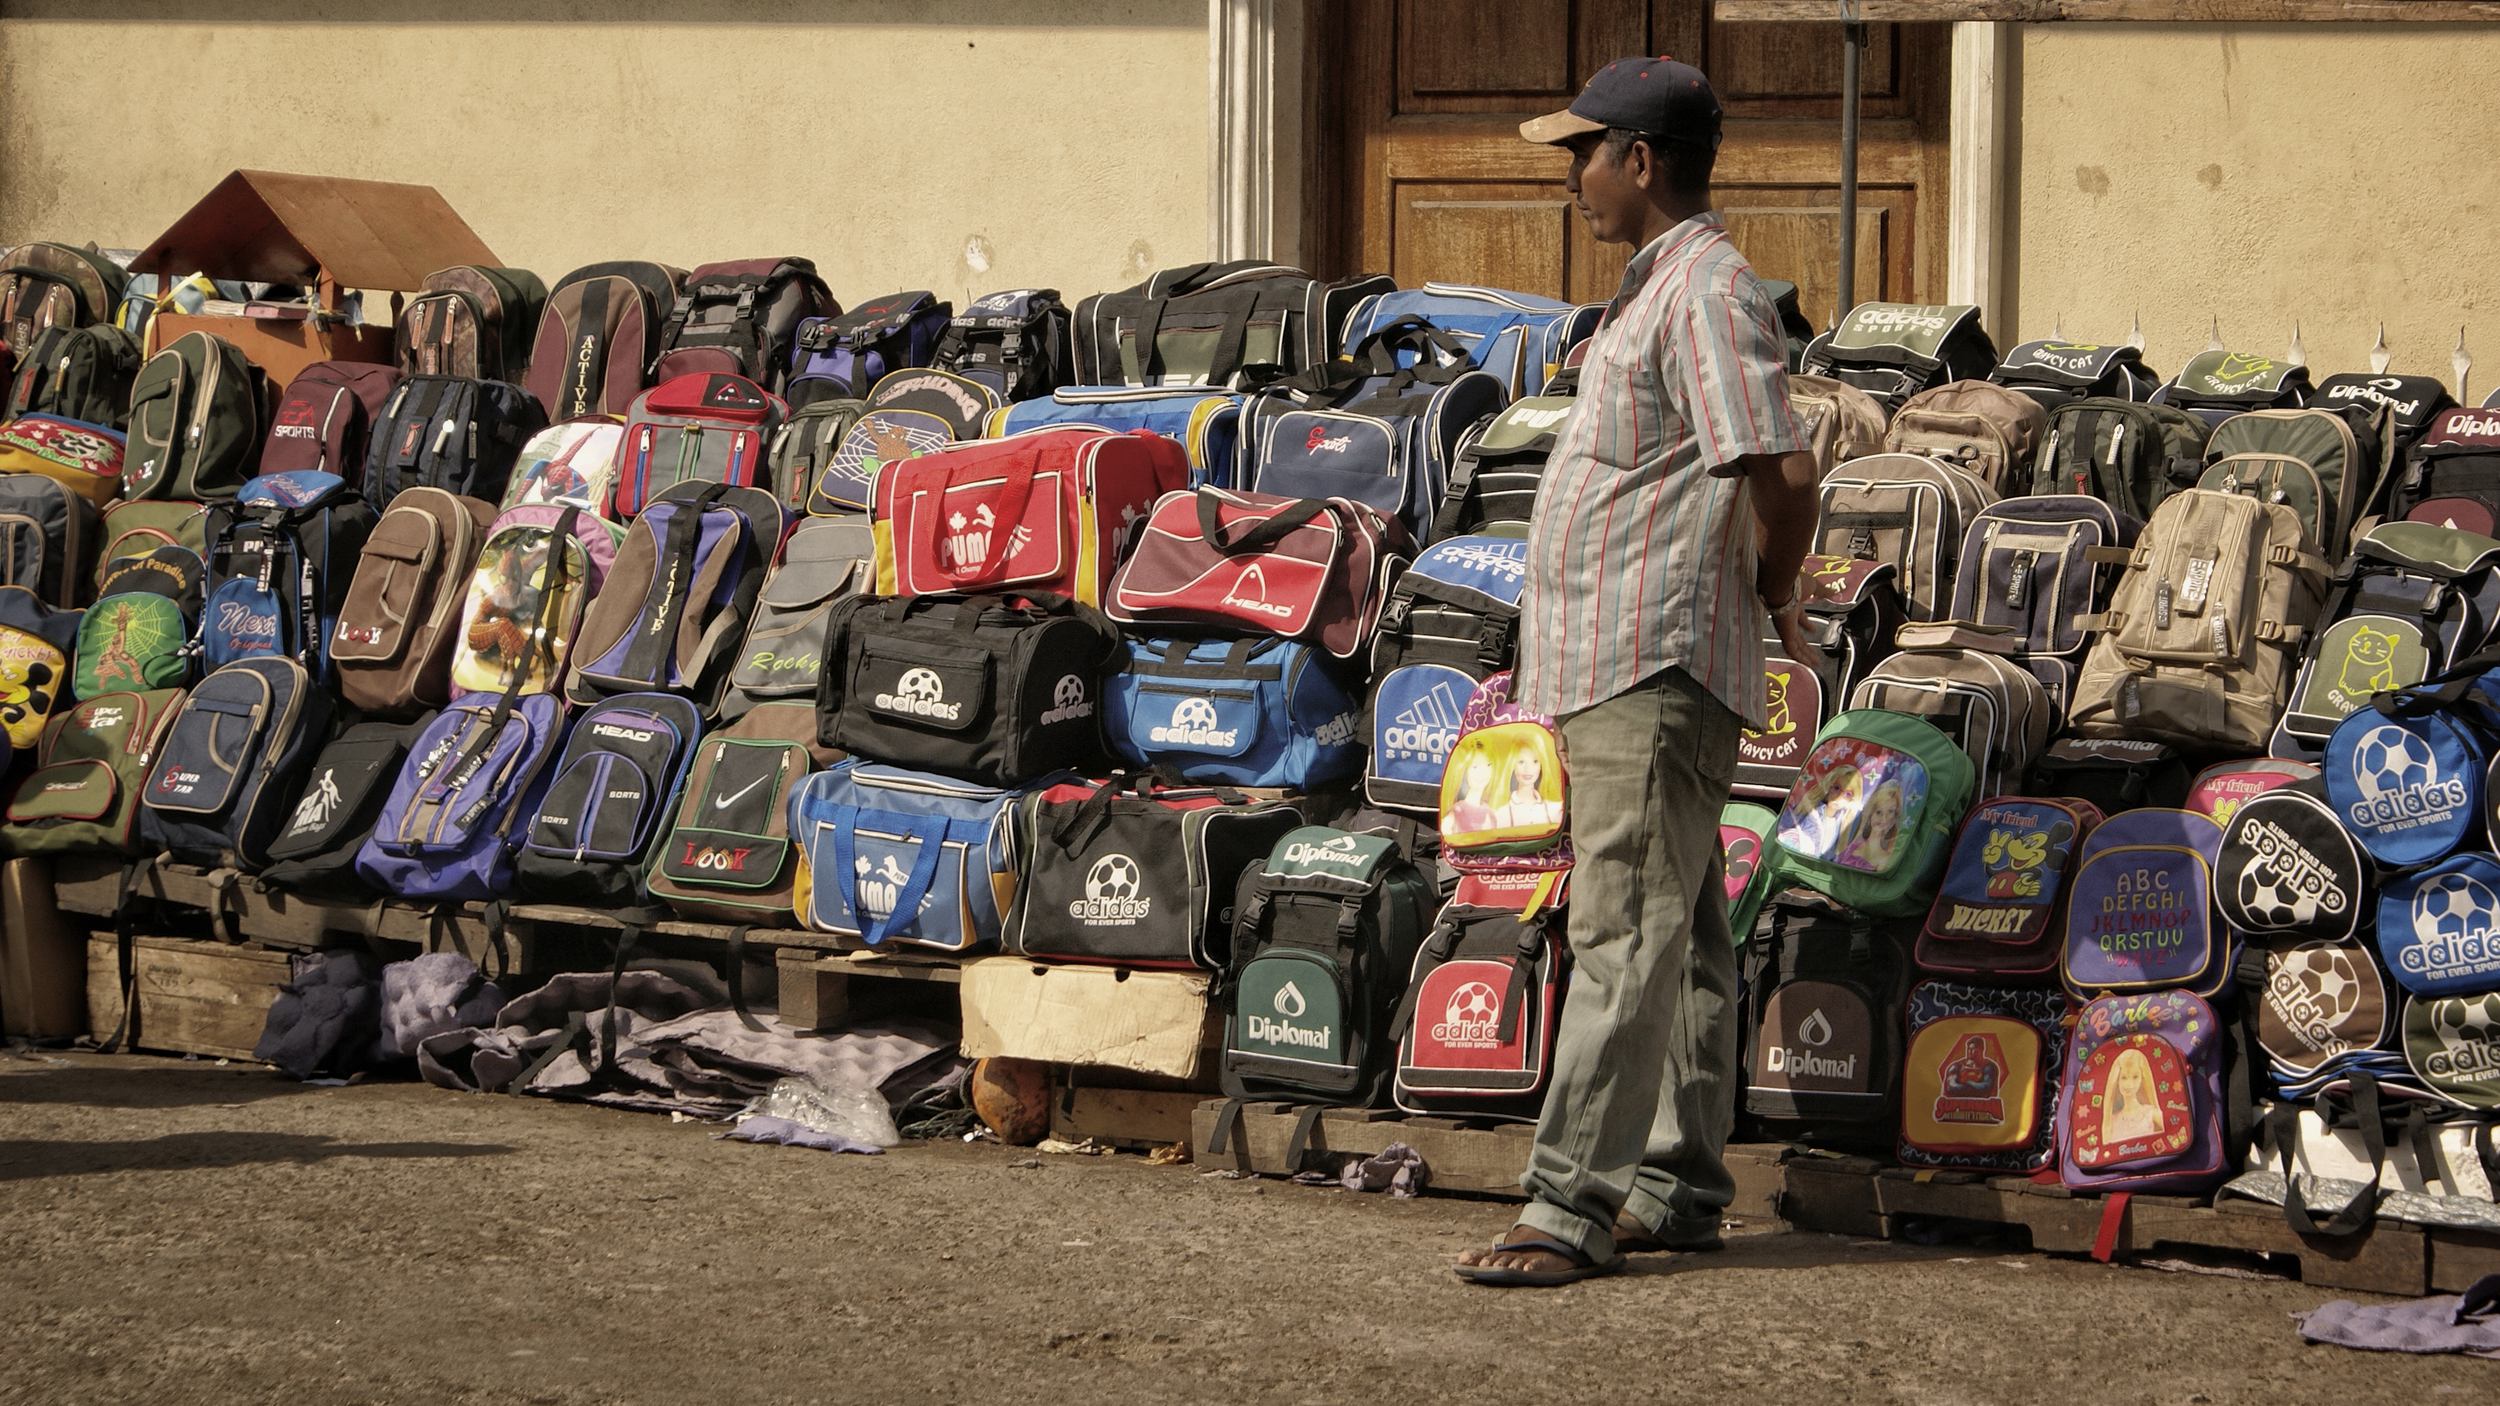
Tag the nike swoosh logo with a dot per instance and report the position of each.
(725, 802)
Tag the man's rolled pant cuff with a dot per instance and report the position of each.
(1555, 1222)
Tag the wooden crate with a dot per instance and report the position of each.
(816, 988)
(195, 997)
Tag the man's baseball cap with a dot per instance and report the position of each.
(1663, 98)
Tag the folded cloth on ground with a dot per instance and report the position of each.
(2442, 1323)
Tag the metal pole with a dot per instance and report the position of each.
(1853, 46)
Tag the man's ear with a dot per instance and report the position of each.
(1642, 165)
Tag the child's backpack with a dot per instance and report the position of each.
(2413, 404)
(1311, 569)
(841, 357)
(452, 433)
(1207, 424)
(2221, 789)
(2056, 373)
(1450, 624)
(84, 458)
(965, 405)
(136, 529)
(399, 623)
(1016, 343)
(1907, 510)
(2216, 385)
(471, 320)
(2452, 478)
(1839, 421)
(2031, 565)
(728, 856)
(47, 538)
(36, 646)
(1980, 1077)
(1518, 338)
(233, 764)
(1235, 324)
(2410, 601)
(1892, 351)
(2112, 773)
(598, 336)
(137, 636)
(1325, 932)
(1746, 863)
(1493, 480)
(1505, 794)
(740, 318)
(459, 808)
(2309, 459)
(519, 615)
(2290, 871)
(196, 421)
(2434, 927)
(685, 580)
(798, 456)
(1244, 712)
(1981, 428)
(906, 857)
(1476, 1026)
(2140, 1106)
(1823, 1002)
(322, 424)
(1137, 871)
(344, 791)
(1870, 821)
(569, 464)
(847, 483)
(609, 801)
(55, 285)
(76, 373)
(2201, 637)
(280, 558)
(825, 561)
(1038, 512)
(2406, 778)
(2128, 454)
(695, 429)
(1993, 707)
(2322, 1000)
(91, 768)
(2139, 907)
(2000, 913)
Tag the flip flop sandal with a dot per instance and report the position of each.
(1582, 1267)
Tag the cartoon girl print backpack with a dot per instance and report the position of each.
(1504, 792)
(2140, 1106)
(1870, 821)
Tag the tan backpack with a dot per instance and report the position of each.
(1841, 422)
(2203, 635)
(1906, 509)
(401, 618)
(1979, 426)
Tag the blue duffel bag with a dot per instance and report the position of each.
(1246, 712)
(1206, 422)
(897, 856)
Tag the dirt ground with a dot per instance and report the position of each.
(176, 1232)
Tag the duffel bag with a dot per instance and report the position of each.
(1312, 569)
(1251, 712)
(896, 856)
(1042, 512)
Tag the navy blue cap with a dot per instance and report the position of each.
(1665, 99)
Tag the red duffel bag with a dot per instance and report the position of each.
(1311, 569)
(1041, 511)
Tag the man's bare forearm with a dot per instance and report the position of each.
(1786, 497)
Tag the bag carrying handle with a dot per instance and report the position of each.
(1015, 494)
(1258, 539)
(928, 834)
(2282, 1130)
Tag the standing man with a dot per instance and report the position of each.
(1675, 510)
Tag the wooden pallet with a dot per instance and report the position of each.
(194, 996)
(816, 987)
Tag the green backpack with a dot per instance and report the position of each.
(2126, 453)
(197, 413)
(1751, 869)
(2309, 460)
(1870, 822)
(83, 795)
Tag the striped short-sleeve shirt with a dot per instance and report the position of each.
(1641, 554)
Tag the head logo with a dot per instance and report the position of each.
(1067, 701)
(920, 693)
(1472, 1018)
(1249, 592)
(1111, 889)
(2396, 773)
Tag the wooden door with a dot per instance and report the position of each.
(1414, 165)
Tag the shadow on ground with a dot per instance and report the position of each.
(27, 1161)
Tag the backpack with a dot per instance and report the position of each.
(2139, 907)
(2201, 638)
(2216, 385)
(344, 791)
(1990, 705)
(1822, 1002)
(993, 689)
(1980, 1077)
(76, 373)
(798, 456)
(2448, 1045)
(137, 636)
(741, 318)
(2413, 404)
(1977, 426)
(1892, 351)
(141, 301)
(1748, 871)
(84, 458)
(2453, 477)
(281, 556)
(609, 801)
(2407, 782)
(1312, 569)
(571, 463)
(694, 429)
(1243, 712)
(1494, 478)
(676, 600)
(1017, 343)
(400, 619)
(874, 439)
(2140, 1105)
(1476, 1026)
(36, 646)
(471, 320)
(1838, 421)
(449, 432)
(841, 357)
(2309, 459)
(727, 856)
(47, 538)
(2112, 773)
(2221, 789)
(1518, 338)
(1039, 512)
(1853, 611)
(324, 420)
(1325, 933)
(2323, 999)
(1904, 509)
(136, 529)
(458, 808)
(825, 561)
(965, 405)
(1371, 432)
(56, 285)
(1450, 624)
(2056, 373)
(196, 421)
(598, 336)
(1799, 703)
(1505, 794)
(1137, 871)
(2290, 871)
(233, 764)
(1208, 425)
(2129, 455)
(512, 626)
(1234, 325)
(2000, 914)
(2031, 565)
(90, 770)
(906, 857)
(2411, 601)
(1870, 822)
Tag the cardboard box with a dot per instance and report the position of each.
(1152, 1022)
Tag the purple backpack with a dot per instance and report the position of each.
(1505, 794)
(674, 608)
(2140, 1106)
(839, 358)
(2139, 907)
(461, 806)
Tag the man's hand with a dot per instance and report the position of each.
(1789, 621)
(1786, 501)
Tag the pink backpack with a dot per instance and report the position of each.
(1504, 794)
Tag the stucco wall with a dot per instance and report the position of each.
(2262, 173)
(945, 144)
